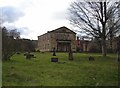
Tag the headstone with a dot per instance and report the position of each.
(54, 59)
(29, 56)
(54, 52)
(18, 53)
(91, 58)
(43, 52)
(70, 54)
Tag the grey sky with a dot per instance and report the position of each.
(35, 17)
(10, 14)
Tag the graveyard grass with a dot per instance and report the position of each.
(40, 71)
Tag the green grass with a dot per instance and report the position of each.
(0, 73)
(80, 72)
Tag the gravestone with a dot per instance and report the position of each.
(29, 56)
(54, 52)
(91, 58)
(54, 59)
(18, 53)
(70, 54)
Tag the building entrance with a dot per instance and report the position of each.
(63, 46)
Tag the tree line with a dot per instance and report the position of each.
(12, 43)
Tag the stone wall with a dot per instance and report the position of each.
(48, 41)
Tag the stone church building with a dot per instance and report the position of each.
(62, 39)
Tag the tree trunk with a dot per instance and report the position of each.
(118, 57)
(103, 22)
(111, 44)
(118, 49)
(103, 47)
(104, 40)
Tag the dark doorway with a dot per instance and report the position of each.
(63, 46)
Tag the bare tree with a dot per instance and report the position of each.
(14, 33)
(113, 25)
(94, 19)
(9, 43)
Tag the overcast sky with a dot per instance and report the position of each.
(35, 17)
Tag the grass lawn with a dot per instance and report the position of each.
(80, 72)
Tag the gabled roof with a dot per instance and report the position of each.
(62, 30)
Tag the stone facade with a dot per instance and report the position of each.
(61, 39)
(95, 46)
